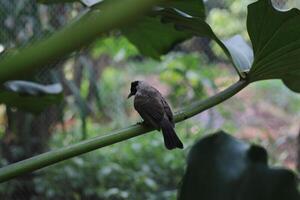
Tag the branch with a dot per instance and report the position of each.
(74, 36)
(64, 153)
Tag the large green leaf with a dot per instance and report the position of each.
(275, 38)
(154, 38)
(292, 81)
(221, 167)
(29, 96)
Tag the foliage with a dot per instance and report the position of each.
(268, 46)
(154, 34)
(138, 169)
(183, 74)
(110, 88)
(117, 47)
(229, 18)
(223, 167)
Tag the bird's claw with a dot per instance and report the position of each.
(140, 123)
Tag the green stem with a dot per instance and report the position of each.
(49, 158)
(199, 106)
(78, 34)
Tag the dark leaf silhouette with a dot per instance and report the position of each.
(221, 167)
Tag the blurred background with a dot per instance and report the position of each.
(96, 83)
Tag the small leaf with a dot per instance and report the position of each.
(275, 38)
(90, 3)
(194, 8)
(27, 88)
(241, 52)
(29, 96)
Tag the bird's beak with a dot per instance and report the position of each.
(129, 95)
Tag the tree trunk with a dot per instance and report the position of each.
(25, 136)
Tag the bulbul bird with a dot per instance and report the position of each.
(155, 111)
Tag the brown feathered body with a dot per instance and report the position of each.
(156, 112)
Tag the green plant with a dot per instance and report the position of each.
(126, 170)
(274, 56)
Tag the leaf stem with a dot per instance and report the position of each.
(49, 158)
(93, 24)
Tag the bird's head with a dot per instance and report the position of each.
(133, 88)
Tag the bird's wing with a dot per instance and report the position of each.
(167, 110)
(150, 109)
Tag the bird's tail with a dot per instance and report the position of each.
(170, 137)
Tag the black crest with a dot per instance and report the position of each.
(133, 89)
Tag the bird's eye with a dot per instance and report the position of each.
(133, 90)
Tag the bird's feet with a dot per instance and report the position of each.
(141, 123)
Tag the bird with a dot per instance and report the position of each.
(155, 111)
